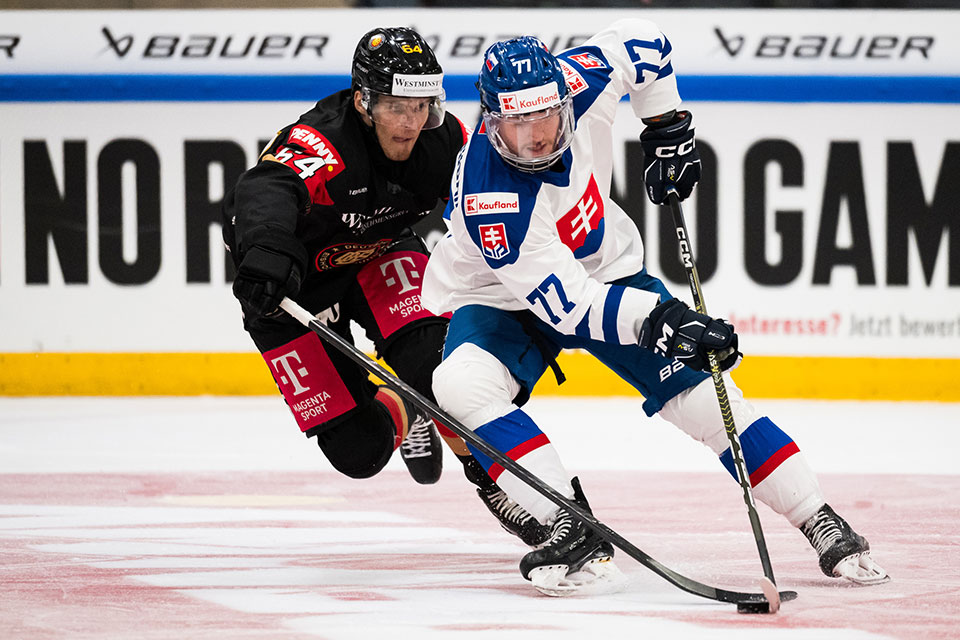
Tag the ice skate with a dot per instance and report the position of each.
(421, 449)
(512, 517)
(843, 552)
(575, 560)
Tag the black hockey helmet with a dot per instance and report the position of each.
(397, 61)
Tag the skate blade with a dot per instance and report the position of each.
(861, 569)
(598, 576)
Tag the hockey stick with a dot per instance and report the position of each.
(693, 277)
(408, 392)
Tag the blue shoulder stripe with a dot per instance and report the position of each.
(497, 203)
(593, 66)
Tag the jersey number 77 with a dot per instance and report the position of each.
(540, 295)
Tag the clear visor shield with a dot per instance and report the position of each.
(531, 141)
(403, 112)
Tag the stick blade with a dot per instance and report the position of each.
(770, 591)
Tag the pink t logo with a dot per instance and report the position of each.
(283, 362)
(402, 275)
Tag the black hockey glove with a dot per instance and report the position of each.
(671, 161)
(674, 330)
(264, 278)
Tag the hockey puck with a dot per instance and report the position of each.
(753, 607)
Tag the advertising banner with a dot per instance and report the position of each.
(827, 223)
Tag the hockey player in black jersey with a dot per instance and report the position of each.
(325, 219)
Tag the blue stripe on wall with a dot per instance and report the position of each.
(904, 89)
(274, 88)
(167, 88)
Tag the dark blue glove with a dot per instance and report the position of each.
(674, 330)
(671, 161)
(264, 278)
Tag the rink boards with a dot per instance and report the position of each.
(824, 228)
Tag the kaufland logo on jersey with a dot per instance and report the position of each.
(532, 99)
(493, 202)
(575, 81)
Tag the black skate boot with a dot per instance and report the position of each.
(512, 517)
(843, 552)
(575, 556)
(421, 449)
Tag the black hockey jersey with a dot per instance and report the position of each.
(325, 194)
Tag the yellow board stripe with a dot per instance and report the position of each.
(913, 379)
(134, 374)
(186, 374)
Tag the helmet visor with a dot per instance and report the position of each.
(531, 141)
(418, 112)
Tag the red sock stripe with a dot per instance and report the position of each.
(773, 462)
(397, 413)
(444, 431)
(518, 452)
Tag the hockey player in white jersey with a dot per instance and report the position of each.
(538, 258)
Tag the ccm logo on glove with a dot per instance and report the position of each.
(671, 161)
(680, 150)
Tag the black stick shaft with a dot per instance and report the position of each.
(690, 265)
(686, 584)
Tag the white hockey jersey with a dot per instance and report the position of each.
(550, 241)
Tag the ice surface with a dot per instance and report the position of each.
(215, 517)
